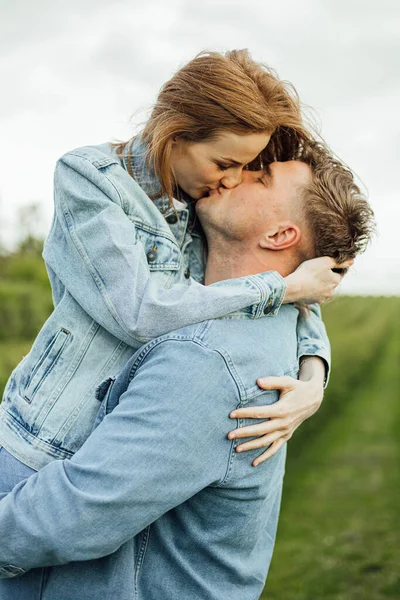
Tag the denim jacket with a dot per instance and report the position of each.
(158, 490)
(123, 270)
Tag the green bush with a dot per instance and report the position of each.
(25, 304)
(24, 307)
(26, 268)
(11, 353)
(25, 296)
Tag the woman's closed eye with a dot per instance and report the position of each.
(223, 167)
(226, 166)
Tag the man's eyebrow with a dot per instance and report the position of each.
(267, 176)
(268, 171)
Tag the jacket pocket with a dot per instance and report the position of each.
(162, 254)
(45, 363)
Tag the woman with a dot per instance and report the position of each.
(125, 258)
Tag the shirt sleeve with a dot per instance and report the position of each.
(94, 250)
(162, 444)
(312, 337)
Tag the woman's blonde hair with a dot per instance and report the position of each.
(217, 92)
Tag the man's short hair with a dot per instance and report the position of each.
(338, 213)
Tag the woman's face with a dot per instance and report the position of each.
(200, 167)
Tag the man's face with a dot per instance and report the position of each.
(262, 199)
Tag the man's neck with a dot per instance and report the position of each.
(231, 260)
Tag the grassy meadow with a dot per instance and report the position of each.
(338, 537)
(339, 533)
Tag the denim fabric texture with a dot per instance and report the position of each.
(157, 502)
(30, 585)
(120, 274)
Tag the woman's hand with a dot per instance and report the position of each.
(314, 280)
(298, 401)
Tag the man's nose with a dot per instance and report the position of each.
(232, 180)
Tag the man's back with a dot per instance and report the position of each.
(159, 475)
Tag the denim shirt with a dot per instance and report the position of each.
(122, 273)
(158, 483)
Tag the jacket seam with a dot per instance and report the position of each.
(141, 557)
(18, 427)
(230, 368)
(90, 335)
(79, 246)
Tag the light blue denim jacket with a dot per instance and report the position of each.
(122, 273)
(158, 483)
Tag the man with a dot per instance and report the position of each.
(158, 489)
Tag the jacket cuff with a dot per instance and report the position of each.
(314, 348)
(272, 288)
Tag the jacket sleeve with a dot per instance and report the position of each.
(93, 250)
(312, 338)
(157, 448)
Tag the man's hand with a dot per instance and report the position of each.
(314, 280)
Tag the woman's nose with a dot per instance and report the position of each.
(232, 180)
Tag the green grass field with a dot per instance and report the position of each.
(339, 534)
(338, 537)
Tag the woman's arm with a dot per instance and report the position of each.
(94, 251)
(299, 400)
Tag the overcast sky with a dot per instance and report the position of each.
(74, 73)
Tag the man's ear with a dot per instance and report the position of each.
(283, 236)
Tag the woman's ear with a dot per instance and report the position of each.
(178, 144)
(282, 237)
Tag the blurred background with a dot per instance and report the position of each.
(84, 72)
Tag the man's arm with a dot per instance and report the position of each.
(164, 442)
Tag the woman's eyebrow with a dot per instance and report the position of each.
(235, 162)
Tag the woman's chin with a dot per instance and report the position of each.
(196, 194)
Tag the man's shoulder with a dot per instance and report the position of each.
(182, 370)
(257, 347)
(183, 353)
(241, 349)
(194, 339)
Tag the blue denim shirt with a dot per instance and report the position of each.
(122, 272)
(158, 483)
